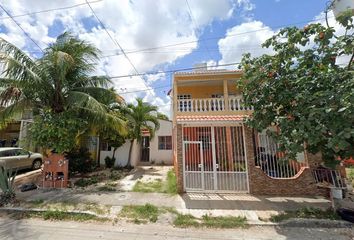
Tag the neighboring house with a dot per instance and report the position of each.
(156, 150)
(214, 151)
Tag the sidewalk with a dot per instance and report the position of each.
(197, 204)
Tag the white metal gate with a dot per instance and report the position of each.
(214, 159)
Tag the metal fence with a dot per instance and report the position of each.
(271, 160)
(328, 178)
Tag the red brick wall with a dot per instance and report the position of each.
(260, 184)
(179, 162)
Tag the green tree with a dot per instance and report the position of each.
(302, 90)
(162, 116)
(140, 116)
(58, 84)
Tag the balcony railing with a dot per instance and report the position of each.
(211, 105)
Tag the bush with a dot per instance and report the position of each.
(7, 179)
(80, 161)
(109, 162)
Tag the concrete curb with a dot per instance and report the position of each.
(295, 222)
(316, 223)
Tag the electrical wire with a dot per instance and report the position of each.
(27, 35)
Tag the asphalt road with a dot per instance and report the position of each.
(40, 230)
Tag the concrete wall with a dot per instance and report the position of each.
(156, 155)
(122, 154)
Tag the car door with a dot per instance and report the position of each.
(22, 157)
(9, 158)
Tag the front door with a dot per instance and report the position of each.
(145, 149)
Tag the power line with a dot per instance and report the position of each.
(20, 27)
(176, 70)
(171, 71)
(49, 10)
(195, 24)
(116, 43)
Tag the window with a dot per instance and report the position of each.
(165, 142)
(21, 152)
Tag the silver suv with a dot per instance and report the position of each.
(18, 158)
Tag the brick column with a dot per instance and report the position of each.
(179, 159)
(250, 155)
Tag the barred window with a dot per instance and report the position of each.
(165, 142)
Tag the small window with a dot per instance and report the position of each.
(165, 142)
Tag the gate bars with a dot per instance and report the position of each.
(214, 159)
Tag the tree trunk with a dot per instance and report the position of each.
(114, 152)
(130, 153)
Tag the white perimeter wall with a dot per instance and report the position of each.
(156, 155)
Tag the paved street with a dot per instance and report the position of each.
(40, 230)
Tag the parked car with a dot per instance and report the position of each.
(18, 158)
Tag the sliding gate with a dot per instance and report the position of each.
(214, 159)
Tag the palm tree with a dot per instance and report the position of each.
(140, 116)
(59, 81)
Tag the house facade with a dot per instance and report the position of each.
(151, 150)
(213, 149)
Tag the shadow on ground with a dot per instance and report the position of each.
(250, 202)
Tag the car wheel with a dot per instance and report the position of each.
(37, 164)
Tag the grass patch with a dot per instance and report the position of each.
(147, 187)
(313, 213)
(84, 182)
(108, 187)
(140, 214)
(187, 220)
(37, 202)
(167, 186)
(224, 222)
(63, 216)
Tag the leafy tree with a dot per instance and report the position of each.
(58, 84)
(140, 116)
(302, 90)
(162, 116)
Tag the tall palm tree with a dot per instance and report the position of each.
(61, 81)
(140, 116)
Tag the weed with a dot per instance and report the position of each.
(84, 182)
(223, 222)
(142, 213)
(186, 220)
(36, 202)
(108, 187)
(62, 215)
(168, 186)
(146, 187)
(306, 213)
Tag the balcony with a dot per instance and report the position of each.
(203, 105)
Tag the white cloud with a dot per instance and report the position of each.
(237, 41)
(135, 24)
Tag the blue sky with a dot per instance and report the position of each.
(216, 29)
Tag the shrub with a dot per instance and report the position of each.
(109, 162)
(80, 161)
(7, 179)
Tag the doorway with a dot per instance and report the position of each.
(145, 149)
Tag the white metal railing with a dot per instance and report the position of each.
(328, 178)
(211, 105)
(269, 158)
